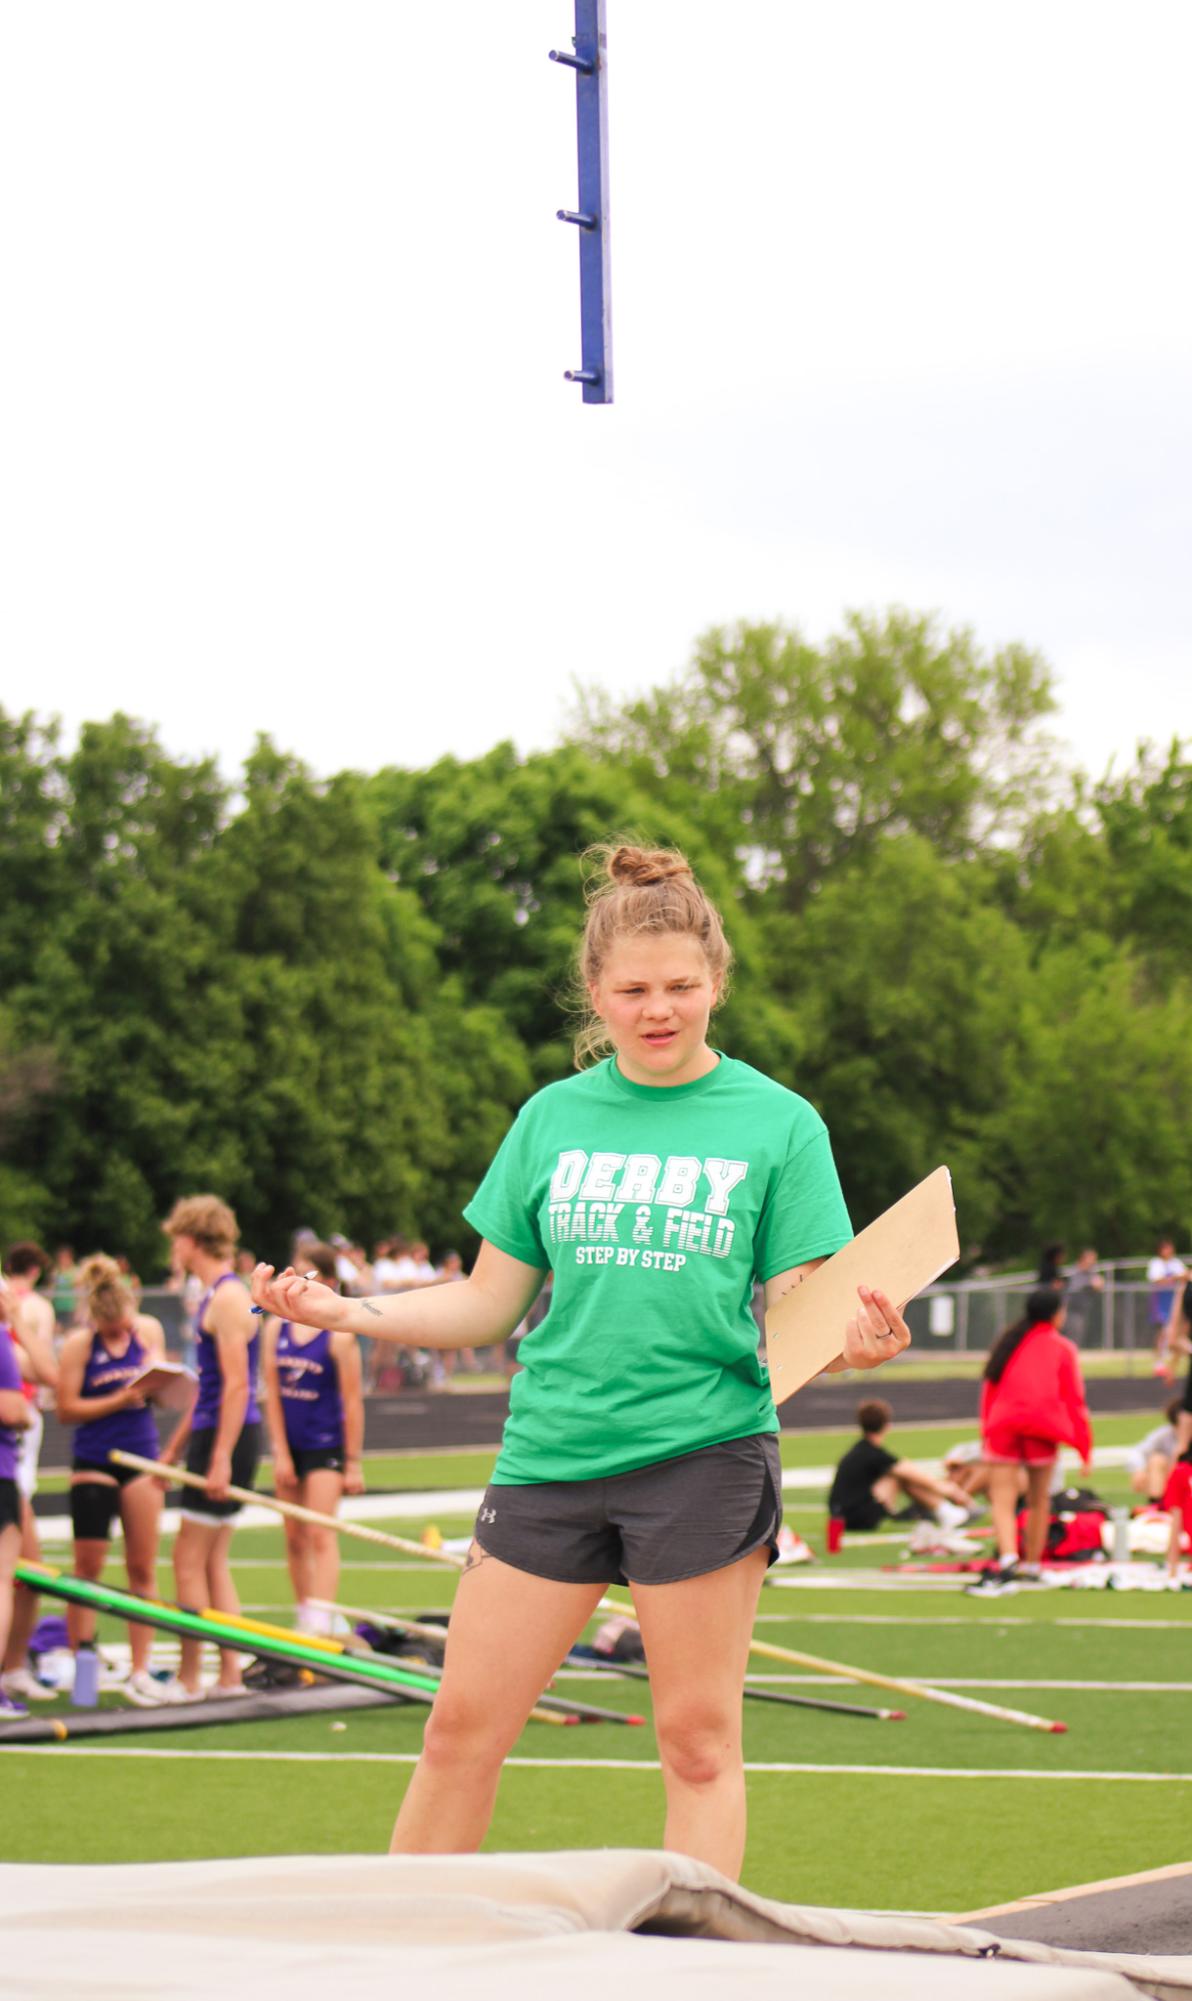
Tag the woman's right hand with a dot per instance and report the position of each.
(284, 1475)
(292, 1297)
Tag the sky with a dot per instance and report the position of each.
(902, 314)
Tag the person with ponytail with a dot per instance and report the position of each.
(96, 1393)
(641, 1444)
(1032, 1402)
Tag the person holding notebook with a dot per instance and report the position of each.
(641, 1444)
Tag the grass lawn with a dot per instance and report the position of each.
(946, 1811)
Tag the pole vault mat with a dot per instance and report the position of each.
(1148, 1913)
(512, 1928)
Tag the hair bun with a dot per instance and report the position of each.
(642, 866)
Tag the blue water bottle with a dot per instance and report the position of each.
(86, 1679)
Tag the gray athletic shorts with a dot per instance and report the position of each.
(678, 1518)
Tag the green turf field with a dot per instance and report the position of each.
(946, 1811)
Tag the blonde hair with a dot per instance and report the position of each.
(102, 1281)
(632, 892)
(208, 1220)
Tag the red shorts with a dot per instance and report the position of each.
(1004, 1446)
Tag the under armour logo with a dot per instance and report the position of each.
(488, 1514)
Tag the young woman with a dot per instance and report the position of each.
(95, 1374)
(640, 1444)
(221, 1437)
(14, 1421)
(1032, 1402)
(31, 1322)
(1179, 1342)
(314, 1407)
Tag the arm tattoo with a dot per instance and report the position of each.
(370, 1308)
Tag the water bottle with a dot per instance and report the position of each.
(1121, 1534)
(86, 1679)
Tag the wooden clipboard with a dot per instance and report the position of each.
(167, 1384)
(905, 1250)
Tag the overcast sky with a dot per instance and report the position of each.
(902, 312)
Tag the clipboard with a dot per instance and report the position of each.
(167, 1384)
(905, 1250)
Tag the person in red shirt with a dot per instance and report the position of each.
(1032, 1402)
(1177, 1499)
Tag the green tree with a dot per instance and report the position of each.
(806, 758)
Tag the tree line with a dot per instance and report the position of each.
(325, 998)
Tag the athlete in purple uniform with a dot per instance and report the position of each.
(95, 1375)
(14, 1417)
(221, 1438)
(314, 1406)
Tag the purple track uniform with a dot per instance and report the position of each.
(207, 1404)
(205, 1422)
(311, 1403)
(10, 1379)
(121, 1430)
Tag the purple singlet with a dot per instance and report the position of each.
(210, 1397)
(310, 1400)
(10, 1379)
(121, 1430)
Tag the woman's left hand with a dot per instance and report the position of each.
(876, 1333)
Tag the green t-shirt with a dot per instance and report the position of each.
(656, 1206)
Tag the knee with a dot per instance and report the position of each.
(89, 1565)
(142, 1578)
(460, 1732)
(322, 1542)
(698, 1746)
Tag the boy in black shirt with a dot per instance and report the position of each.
(871, 1483)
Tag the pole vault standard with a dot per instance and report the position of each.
(919, 1691)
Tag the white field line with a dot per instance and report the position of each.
(1037, 1625)
(594, 1764)
(934, 1680)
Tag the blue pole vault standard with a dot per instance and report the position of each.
(590, 219)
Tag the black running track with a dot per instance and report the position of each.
(1137, 1917)
(420, 1420)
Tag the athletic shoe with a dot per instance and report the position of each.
(792, 1548)
(143, 1691)
(11, 1711)
(951, 1516)
(23, 1684)
(176, 1691)
(999, 1581)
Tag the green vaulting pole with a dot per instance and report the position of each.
(206, 1626)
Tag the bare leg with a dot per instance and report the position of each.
(224, 1598)
(1038, 1515)
(195, 1571)
(10, 1550)
(321, 1490)
(140, 1511)
(23, 1613)
(508, 1633)
(295, 1534)
(1003, 1504)
(696, 1635)
(89, 1558)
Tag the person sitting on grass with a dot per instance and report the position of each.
(872, 1485)
(1151, 1460)
(1177, 1499)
